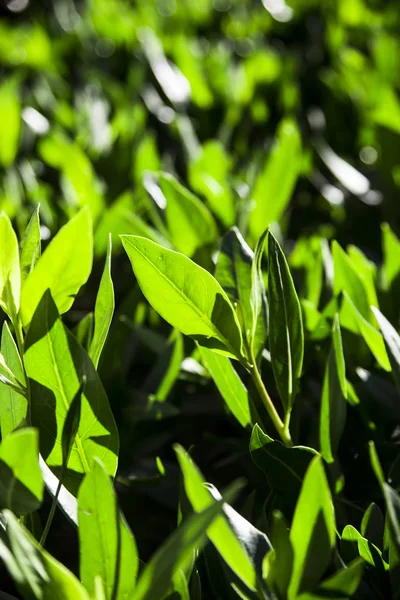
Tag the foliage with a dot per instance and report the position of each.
(199, 281)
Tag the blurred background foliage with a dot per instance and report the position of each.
(273, 113)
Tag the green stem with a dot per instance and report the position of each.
(52, 510)
(281, 427)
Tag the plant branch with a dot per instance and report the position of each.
(281, 428)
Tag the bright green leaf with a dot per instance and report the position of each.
(10, 276)
(21, 483)
(185, 295)
(36, 573)
(30, 246)
(229, 384)
(103, 311)
(56, 365)
(63, 268)
(10, 110)
(220, 533)
(13, 405)
(313, 531)
(107, 547)
(275, 184)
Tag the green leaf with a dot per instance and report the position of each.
(279, 562)
(229, 385)
(56, 365)
(372, 525)
(13, 405)
(283, 467)
(71, 424)
(220, 533)
(286, 338)
(275, 184)
(233, 272)
(84, 331)
(185, 295)
(63, 268)
(176, 553)
(313, 531)
(258, 301)
(103, 311)
(208, 175)
(21, 483)
(372, 337)
(347, 279)
(10, 276)
(36, 573)
(392, 343)
(107, 547)
(10, 110)
(30, 247)
(334, 393)
(339, 586)
(391, 254)
(392, 499)
(366, 270)
(189, 222)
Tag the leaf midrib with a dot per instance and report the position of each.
(200, 313)
(78, 440)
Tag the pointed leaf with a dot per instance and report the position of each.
(189, 222)
(175, 554)
(103, 311)
(286, 338)
(21, 483)
(339, 586)
(283, 467)
(63, 268)
(275, 184)
(10, 110)
(280, 560)
(35, 572)
(30, 246)
(10, 276)
(185, 295)
(313, 531)
(334, 393)
(229, 385)
(13, 405)
(392, 499)
(107, 547)
(258, 301)
(220, 533)
(372, 337)
(392, 343)
(56, 365)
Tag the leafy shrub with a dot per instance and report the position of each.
(199, 270)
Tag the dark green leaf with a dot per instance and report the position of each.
(334, 393)
(286, 338)
(283, 467)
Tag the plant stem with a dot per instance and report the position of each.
(282, 428)
(52, 510)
